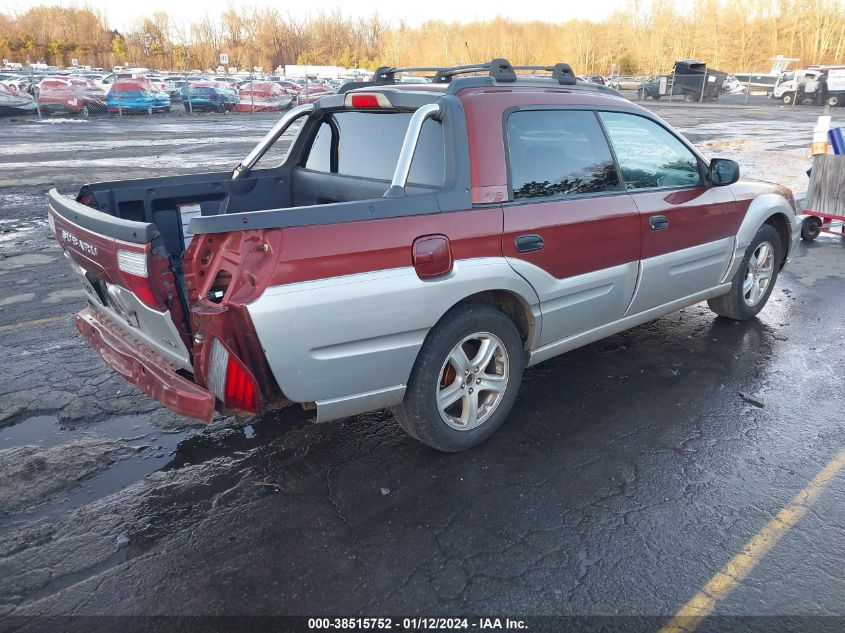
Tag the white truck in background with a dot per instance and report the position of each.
(802, 85)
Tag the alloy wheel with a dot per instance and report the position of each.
(473, 381)
(759, 273)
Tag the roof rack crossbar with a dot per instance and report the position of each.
(500, 70)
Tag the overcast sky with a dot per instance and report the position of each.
(123, 13)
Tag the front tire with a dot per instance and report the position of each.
(465, 379)
(753, 283)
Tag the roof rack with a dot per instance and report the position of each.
(500, 70)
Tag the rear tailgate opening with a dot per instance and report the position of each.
(142, 316)
(127, 274)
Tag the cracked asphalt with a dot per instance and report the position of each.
(629, 473)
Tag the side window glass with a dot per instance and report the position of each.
(278, 152)
(320, 155)
(648, 154)
(557, 153)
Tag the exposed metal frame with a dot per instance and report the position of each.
(271, 137)
(409, 147)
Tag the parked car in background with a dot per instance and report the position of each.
(262, 96)
(14, 101)
(312, 91)
(104, 80)
(624, 82)
(651, 88)
(137, 94)
(210, 96)
(288, 84)
(173, 85)
(227, 79)
(71, 95)
(596, 79)
(292, 88)
(417, 249)
(19, 81)
(158, 82)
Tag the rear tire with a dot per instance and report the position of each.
(753, 283)
(446, 404)
(689, 97)
(811, 228)
(833, 100)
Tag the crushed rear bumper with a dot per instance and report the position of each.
(143, 367)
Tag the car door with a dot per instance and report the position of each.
(570, 229)
(687, 227)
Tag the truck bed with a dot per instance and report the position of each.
(160, 205)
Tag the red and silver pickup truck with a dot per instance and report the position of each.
(417, 247)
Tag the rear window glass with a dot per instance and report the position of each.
(367, 145)
(558, 153)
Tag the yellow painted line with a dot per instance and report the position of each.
(731, 575)
(22, 324)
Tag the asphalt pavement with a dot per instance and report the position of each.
(630, 473)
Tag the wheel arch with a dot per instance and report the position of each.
(784, 228)
(513, 306)
(768, 208)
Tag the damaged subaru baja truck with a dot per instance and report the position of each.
(417, 247)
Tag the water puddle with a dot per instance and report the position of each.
(57, 476)
(126, 448)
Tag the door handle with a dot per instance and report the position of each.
(658, 222)
(529, 243)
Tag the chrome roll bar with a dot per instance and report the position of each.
(409, 146)
(271, 137)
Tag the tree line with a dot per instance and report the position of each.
(642, 38)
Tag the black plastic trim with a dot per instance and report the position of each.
(101, 223)
(463, 83)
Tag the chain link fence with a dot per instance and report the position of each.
(30, 94)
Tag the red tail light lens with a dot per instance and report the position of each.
(141, 288)
(231, 381)
(133, 271)
(241, 390)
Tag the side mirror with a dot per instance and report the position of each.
(723, 171)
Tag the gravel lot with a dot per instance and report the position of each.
(630, 471)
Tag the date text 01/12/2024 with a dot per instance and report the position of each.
(415, 624)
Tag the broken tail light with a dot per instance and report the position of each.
(134, 273)
(231, 381)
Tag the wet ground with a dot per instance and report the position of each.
(629, 473)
